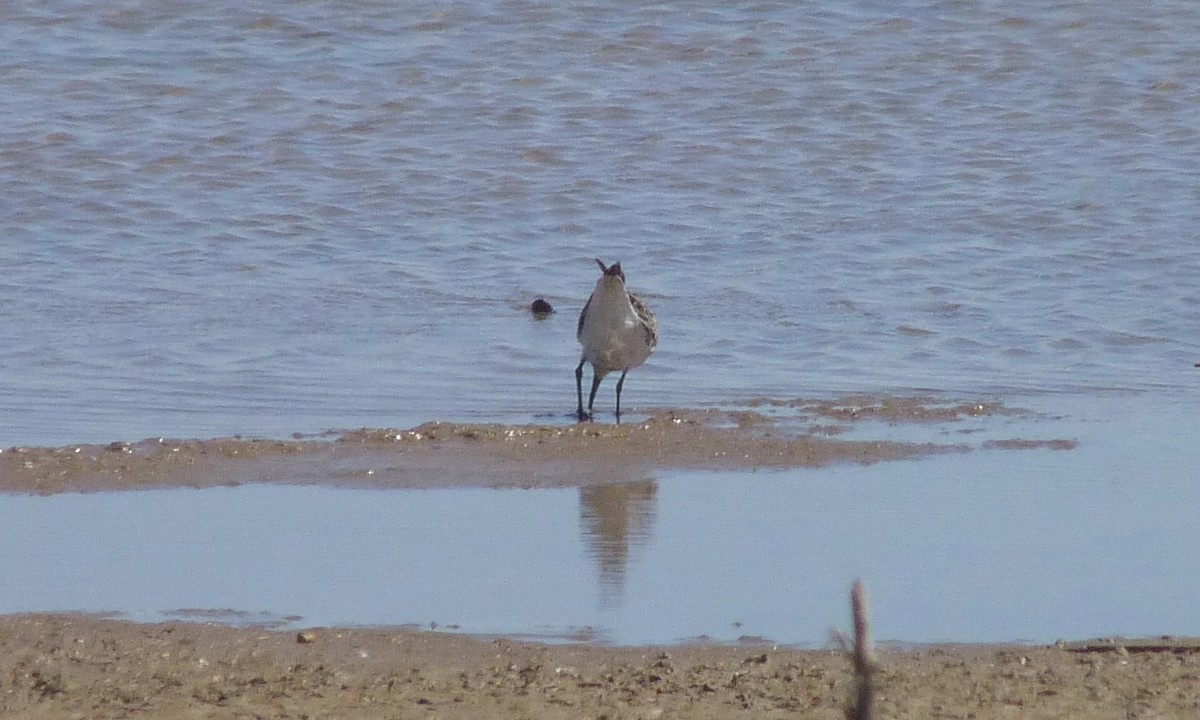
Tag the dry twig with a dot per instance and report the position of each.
(866, 667)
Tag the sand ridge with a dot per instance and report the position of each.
(447, 454)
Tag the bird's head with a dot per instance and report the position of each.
(612, 273)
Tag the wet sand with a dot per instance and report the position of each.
(87, 667)
(439, 454)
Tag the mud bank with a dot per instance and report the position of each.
(455, 454)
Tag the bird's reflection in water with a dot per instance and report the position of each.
(615, 520)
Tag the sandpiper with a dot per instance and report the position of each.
(617, 331)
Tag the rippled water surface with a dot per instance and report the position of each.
(218, 220)
(333, 214)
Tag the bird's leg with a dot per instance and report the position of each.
(579, 389)
(619, 384)
(596, 378)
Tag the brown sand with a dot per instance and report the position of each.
(453, 454)
(84, 667)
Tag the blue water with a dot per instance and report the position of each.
(217, 221)
(993, 546)
(333, 215)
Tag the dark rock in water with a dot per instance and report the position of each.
(540, 308)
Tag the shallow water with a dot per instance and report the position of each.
(988, 546)
(334, 215)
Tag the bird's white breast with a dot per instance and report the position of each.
(612, 336)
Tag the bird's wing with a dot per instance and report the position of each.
(582, 315)
(646, 317)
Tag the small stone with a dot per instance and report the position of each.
(540, 309)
